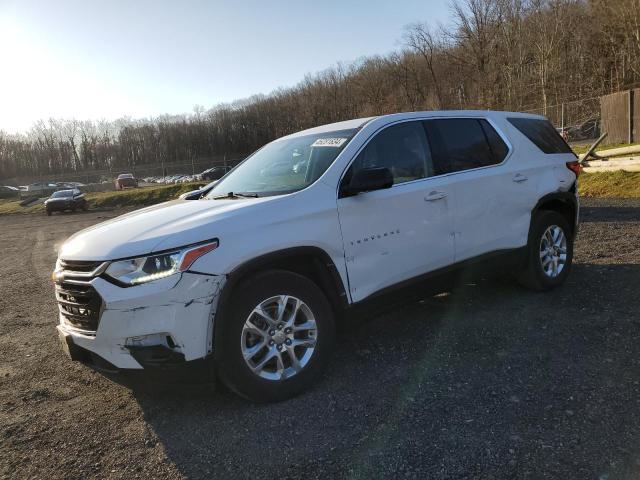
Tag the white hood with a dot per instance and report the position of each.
(159, 227)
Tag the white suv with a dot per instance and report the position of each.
(256, 274)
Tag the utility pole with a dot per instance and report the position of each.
(631, 114)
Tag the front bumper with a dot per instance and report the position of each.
(165, 321)
(59, 206)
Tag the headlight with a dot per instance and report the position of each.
(134, 271)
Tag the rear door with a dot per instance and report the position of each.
(493, 198)
(398, 233)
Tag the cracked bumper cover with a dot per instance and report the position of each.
(181, 307)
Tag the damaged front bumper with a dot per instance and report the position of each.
(165, 322)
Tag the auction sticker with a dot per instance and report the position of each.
(329, 142)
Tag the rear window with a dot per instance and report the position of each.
(459, 144)
(542, 134)
(62, 193)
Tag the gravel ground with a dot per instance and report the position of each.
(488, 381)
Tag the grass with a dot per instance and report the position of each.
(138, 197)
(617, 184)
(580, 149)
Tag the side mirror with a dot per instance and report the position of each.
(369, 179)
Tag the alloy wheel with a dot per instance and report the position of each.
(279, 337)
(553, 251)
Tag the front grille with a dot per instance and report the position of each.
(79, 305)
(79, 266)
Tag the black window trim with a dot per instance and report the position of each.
(498, 130)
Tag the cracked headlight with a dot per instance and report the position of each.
(134, 271)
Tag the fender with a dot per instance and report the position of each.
(565, 202)
(313, 262)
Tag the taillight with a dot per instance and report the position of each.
(575, 167)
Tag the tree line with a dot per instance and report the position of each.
(493, 54)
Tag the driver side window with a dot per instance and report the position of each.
(401, 148)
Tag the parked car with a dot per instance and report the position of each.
(64, 200)
(214, 173)
(126, 180)
(199, 193)
(589, 129)
(68, 185)
(256, 275)
(172, 178)
(40, 187)
(9, 192)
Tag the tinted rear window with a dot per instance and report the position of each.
(459, 144)
(62, 193)
(542, 134)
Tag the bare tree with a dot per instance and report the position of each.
(506, 54)
(423, 40)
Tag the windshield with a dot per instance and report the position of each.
(62, 193)
(284, 166)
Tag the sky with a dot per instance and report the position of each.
(90, 59)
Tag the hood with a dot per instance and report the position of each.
(159, 227)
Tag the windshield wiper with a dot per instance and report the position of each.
(236, 195)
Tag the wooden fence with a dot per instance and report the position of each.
(620, 113)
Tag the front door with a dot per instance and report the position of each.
(398, 233)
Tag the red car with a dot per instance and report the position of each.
(126, 180)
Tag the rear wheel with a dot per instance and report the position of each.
(549, 252)
(276, 337)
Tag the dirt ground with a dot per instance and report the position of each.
(489, 381)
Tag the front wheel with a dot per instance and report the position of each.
(276, 336)
(549, 252)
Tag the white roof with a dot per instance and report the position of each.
(360, 122)
(332, 127)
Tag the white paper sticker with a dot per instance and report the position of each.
(329, 142)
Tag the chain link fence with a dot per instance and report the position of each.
(578, 121)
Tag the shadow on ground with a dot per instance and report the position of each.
(610, 214)
(488, 380)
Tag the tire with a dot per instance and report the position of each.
(48, 213)
(232, 336)
(534, 276)
(85, 206)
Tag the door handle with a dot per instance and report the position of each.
(518, 178)
(435, 195)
